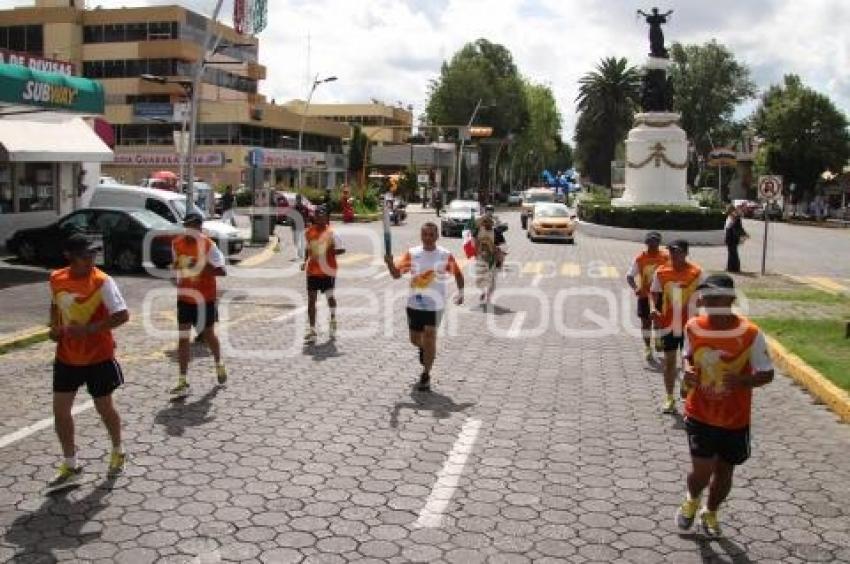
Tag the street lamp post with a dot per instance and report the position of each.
(316, 83)
(463, 139)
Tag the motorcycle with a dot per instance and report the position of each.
(398, 213)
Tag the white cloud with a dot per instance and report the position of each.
(391, 49)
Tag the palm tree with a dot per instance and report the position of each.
(607, 100)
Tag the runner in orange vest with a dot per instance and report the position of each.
(639, 278)
(86, 305)
(323, 246)
(725, 357)
(673, 304)
(197, 263)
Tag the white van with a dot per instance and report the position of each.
(169, 205)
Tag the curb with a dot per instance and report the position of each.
(267, 253)
(23, 338)
(816, 383)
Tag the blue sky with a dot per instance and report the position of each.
(391, 49)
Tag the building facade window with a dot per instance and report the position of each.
(123, 32)
(132, 68)
(35, 187)
(23, 39)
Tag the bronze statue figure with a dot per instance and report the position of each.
(656, 35)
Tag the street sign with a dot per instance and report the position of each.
(770, 188)
(723, 156)
(480, 131)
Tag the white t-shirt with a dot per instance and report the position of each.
(429, 274)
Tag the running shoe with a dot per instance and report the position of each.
(710, 524)
(669, 405)
(221, 373)
(310, 336)
(424, 383)
(659, 344)
(648, 354)
(116, 463)
(65, 475)
(686, 513)
(332, 328)
(181, 387)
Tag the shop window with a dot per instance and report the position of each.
(36, 187)
(7, 202)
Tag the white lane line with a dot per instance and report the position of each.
(431, 515)
(535, 282)
(25, 432)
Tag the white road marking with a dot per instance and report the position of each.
(431, 515)
(516, 325)
(535, 282)
(297, 311)
(382, 274)
(25, 432)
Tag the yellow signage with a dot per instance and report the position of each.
(480, 131)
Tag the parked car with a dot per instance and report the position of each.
(122, 232)
(514, 199)
(170, 206)
(457, 217)
(774, 212)
(552, 222)
(284, 200)
(530, 198)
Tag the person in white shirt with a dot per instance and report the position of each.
(429, 266)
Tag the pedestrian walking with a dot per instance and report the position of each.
(323, 246)
(228, 201)
(489, 256)
(300, 220)
(725, 357)
(429, 266)
(735, 235)
(197, 263)
(86, 306)
(672, 305)
(639, 278)
(438, 202)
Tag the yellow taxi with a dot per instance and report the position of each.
(531, 198)
(554, 222)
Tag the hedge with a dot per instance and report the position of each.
(675, 218)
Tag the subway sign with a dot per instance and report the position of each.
(42, 93)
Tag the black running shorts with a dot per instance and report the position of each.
(708, 441)
(100, 379)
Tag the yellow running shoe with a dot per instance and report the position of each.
(221, 373)
(332, 329)
(710, 524)
(65, 475)
(669, 405)
(686, 513)
(181, 387)
(116, 463)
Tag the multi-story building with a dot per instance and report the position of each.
(380, 122)
(119, 46)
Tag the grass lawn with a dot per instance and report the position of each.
(821, 343)
(803, 295)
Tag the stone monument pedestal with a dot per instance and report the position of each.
(656, 162)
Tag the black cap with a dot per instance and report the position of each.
(79, 244)
(322, 210)
(653, 236)
(720, 281)
(678, 244)
(193, 218)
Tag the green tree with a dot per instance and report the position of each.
(357, 152)
(804, 134)
(708, 84)
(607, 101)
(543, 133)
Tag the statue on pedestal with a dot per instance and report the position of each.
(656, 35)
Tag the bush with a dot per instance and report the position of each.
(243, 198)
(675, 218)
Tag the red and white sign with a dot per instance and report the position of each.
(36, 63)
(167, 159)
(770, 187)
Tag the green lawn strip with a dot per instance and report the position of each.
(821, 343)
(802, 295)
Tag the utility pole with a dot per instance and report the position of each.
(462, 140)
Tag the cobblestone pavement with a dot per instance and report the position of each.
(535, 445)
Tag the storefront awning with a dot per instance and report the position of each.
(50, 141)
(21, 86)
